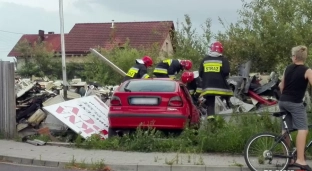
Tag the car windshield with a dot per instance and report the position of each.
(150, 86)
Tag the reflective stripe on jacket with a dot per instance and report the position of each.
(169, 67)
(138, 71)
(194, 87)
(213, 72)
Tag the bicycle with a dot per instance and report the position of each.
(267, 154)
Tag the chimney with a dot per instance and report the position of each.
(51, 32)
(112, 24)
(41, 35)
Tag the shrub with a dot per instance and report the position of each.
(216, 136)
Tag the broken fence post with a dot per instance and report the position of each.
(7, 102)
(114, 67)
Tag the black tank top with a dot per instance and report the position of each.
(295, 84)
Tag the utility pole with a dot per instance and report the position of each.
(65, 85)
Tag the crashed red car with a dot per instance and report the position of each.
(163, 104)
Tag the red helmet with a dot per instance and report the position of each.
(187, 77)
(216, 47)
(186, 64)
(148, 61)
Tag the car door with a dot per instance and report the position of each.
(187, 98)
(193, 113)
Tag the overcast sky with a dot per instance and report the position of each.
(28, 16)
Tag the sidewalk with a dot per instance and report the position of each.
(54, 156)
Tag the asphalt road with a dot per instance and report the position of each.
(14, 167)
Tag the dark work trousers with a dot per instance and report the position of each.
(210, 104)
(157, 75)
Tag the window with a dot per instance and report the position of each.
(149, 86)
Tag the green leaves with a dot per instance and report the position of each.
(124, 58)
(266, 32)
(188, 45)
(39, 60)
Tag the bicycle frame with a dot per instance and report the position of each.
(292, 144)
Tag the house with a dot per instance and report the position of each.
(84, 36)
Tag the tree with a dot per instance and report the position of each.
(96, 70)
(39, 60)
(189, 44)
(266, 32)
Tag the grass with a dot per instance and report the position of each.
(97, 165)
(41, 137)
(215, 136)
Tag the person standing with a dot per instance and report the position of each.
(213, 70)
(293, 87)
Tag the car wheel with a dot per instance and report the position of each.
(112, 132)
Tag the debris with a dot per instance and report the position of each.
(86, 116)
(36, 142)
(32, 98)
(37, 118)
(51, 121)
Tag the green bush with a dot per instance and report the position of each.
(215, 136)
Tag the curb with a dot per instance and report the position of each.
(124, 167)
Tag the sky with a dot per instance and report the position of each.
(28, 16)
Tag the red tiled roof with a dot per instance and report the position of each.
(84, 36)
(53, 41)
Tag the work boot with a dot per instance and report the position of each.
(210, 117)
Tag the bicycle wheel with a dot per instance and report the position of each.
(270, 155)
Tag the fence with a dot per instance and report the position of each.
(7, 100)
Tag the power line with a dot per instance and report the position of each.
(10, 32)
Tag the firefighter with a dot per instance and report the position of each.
(193, 84)
(213, 70)
(139, 70)
(168, 68)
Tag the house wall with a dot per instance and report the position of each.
(78, 59)
(20, 62)
(166, 48)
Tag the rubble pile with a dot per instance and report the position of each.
(32, 96)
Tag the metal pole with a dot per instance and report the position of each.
(63, 49)
(113, 66)
(12, 101)
(2, 96)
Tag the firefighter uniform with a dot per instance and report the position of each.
(213, 72)
(194, 87)
(167, 68)
(138, 71)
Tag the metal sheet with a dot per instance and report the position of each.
(51, 121)
(108, 62)
(90, 115)
(7, 102)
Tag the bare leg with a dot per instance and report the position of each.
(300, 145)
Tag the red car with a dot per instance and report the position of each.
(163, 104)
